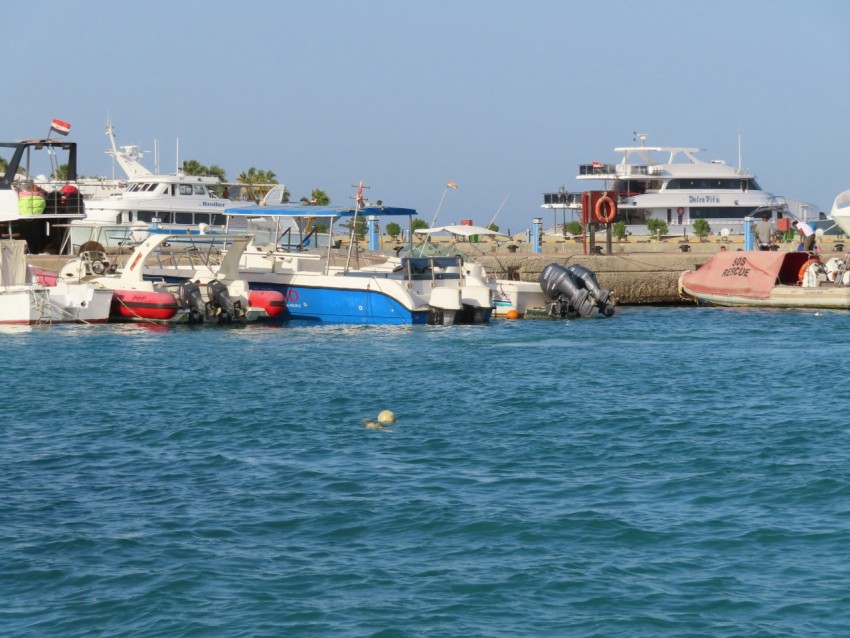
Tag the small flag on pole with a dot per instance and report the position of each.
(451, 185)
(58, 126)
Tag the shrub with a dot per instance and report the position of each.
(657, 227)
(701, 229)
(573, 228)
(619, 230)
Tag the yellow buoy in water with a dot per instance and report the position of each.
(386, 416)
(513, 313)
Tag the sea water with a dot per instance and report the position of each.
(664, 472)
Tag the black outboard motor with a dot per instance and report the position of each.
(600, 295)
(226, 308)
(191, 298)
(564, 289)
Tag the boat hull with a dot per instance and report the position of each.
(762, 279)
(139, 305)
(341, 305)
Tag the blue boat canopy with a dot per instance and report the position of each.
(295, 210)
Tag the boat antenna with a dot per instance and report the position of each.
(740, 163)
(449, 185)
(499, 210)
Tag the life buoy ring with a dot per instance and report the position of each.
(805, 267)
(612, 209)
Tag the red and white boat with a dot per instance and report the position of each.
(203, 297)
(26, 300)
(768, 279)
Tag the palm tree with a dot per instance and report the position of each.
(318, 197)
(4, 164)
(194, 167)
(259, 181)
(61, 173)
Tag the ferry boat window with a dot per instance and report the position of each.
(200, 190)
(654, 185)
(185, 189)
(144, 216)
(729, 184)
(721, 212)
(183, 218)
(149, 187)
(218, 220)
(202, 218)
(750, 185)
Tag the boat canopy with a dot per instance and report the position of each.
(295, 210)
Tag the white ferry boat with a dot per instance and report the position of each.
(670, 183)
(168, 203)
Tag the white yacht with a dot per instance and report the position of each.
(168, 203)
(670, 183)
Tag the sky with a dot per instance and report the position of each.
(504, 98)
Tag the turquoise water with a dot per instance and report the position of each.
(665, 472)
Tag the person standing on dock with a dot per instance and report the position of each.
(807, 235)
(764, 232)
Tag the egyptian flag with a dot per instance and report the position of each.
(63, 128)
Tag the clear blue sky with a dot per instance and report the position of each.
(505, 98)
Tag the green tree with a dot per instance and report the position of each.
(701, 229)
(318, 197)
(4, 164)
(418, 223)
(393, 230)
(194, 167)
(657, 227)
(259, 181)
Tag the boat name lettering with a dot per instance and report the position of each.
(738, 268)
(214, 204)
(292, 296)
(703, 199)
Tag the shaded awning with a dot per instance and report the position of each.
(458, 229)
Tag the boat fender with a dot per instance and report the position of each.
(611, 207)
(805, 267)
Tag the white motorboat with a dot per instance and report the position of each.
(320, 282)
(511, 298)
(840, 212)
(26, 300)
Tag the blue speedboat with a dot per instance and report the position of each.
(321, 279)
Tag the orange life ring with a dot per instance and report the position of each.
(612, 209)
(805, 267)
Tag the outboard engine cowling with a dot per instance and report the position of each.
(225, 308)
(602, 296)
(560, 285)
(191, 298)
